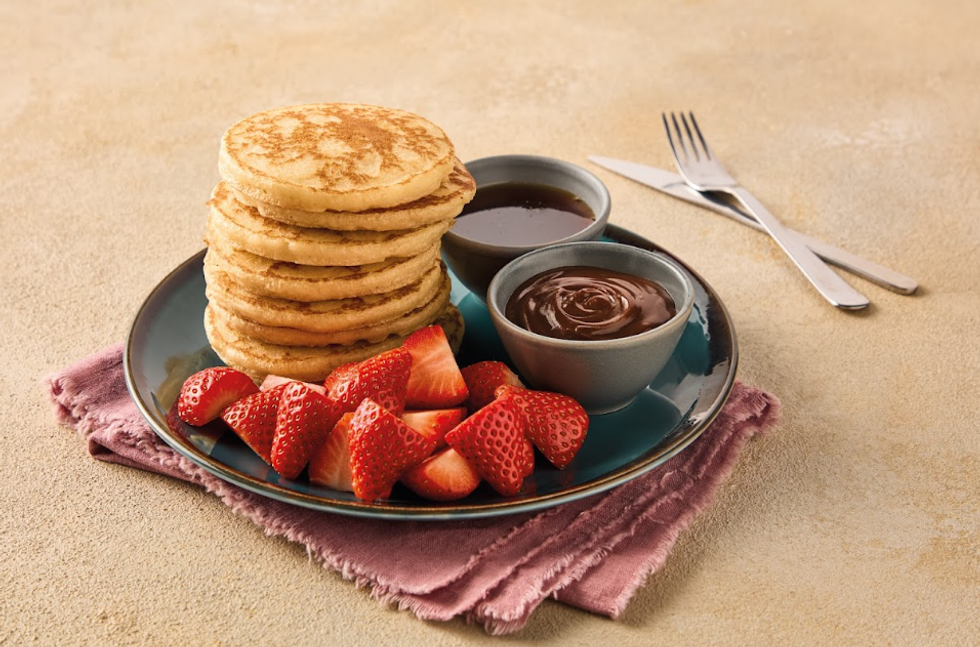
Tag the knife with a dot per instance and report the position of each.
(673, 184)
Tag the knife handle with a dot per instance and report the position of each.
(883, 276)
(877, 274)
(831, 286)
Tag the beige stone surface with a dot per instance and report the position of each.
(856, 523)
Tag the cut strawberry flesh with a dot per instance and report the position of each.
(435, 381)
(445, 476)
(330, 464)
(272, 381)
(435, 423)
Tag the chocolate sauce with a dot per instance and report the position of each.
(520, 213)
(589, 303)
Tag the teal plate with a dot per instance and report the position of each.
(167, 343)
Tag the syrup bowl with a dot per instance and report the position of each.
(476, 262)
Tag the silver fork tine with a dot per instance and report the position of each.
(707, 149)
(694, 143)
(680, 137)
(704, 172)
(670, 139)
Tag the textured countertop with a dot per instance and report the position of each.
(856, 522)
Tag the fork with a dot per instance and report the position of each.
(703, 172)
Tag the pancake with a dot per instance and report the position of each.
(264, 276)
(332, 315)
(335, 156)
(445, 203)
(403, 325)
(258, 359)
(243, 227)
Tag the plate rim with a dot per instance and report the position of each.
(675, 445)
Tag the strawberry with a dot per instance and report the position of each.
(330, 464)
(302, 423)
(253, 418)
(435, 381)
(482, 380)
(493, 441)
(527, 460)
(271, 381)
(445, 476)
(383, 378)
(382, 448)
(207, 393)
(435, 422)
(556, 423)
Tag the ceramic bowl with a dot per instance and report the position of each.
(603, 375)
(475, 263)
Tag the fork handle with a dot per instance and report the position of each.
(879, 274)
(833, 288)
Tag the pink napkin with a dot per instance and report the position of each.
(592, 554)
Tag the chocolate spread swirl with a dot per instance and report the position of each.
(589, 303)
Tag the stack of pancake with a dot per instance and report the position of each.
(323, 237)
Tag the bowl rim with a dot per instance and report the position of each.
(683, 312)
(590, 232)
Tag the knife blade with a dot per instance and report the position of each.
(673, 185)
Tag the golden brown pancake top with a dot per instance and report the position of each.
(335, 156)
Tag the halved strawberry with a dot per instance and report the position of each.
(383, 378)
(434, 422)
(330, 464)
(207, 393)
(435, 381)
(272, 381)
(302, 423)
(253, 418)
(556, 423)
(382, 448)
(483, 379)
(493, 441)
(445, 476)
